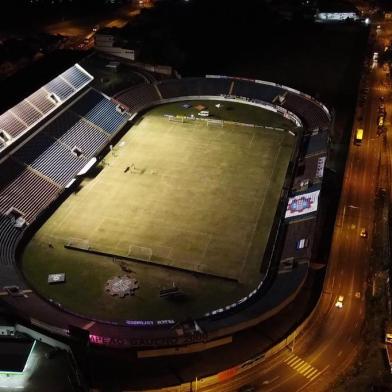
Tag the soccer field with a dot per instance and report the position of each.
(184, 203)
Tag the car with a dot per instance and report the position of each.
(363, 233)
(339, 302)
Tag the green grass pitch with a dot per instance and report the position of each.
(192, 204)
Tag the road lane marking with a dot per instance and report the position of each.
(299, 365)
(315, 376)
(302, 367)
(305, 386)
(294, 362)
(308, 372)
(291, 359)
(315, 372)
(266, 382)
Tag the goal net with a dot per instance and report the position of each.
(215, 123)
(180, 119)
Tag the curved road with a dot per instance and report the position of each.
(333, 337)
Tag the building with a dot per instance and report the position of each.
(108, 41)
(336, 11)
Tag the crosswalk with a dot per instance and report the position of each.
(302, 367)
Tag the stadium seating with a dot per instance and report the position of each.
(10, 124)
(24, 190)
(249, 89)
(194, 86)
(9, 237)
(74, 131)
(26, 113)
(29, 112)
(33, 177)
(50, 158)
(313, 115)
(207, 86)
(100, 111)
(60, 87)
(41, 101)
(68, 83)
(138, 97)
(76, 76)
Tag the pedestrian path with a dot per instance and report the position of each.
(302, 367)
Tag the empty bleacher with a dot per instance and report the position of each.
(259, 91)
(29, 112)
(76, 76)
(74, 131)
(60, 87)
(51, 158)
(312, 114)
(33, 176)
(10, 124)
(207, 86)
(138, 97)
(69, 82)
(26, 113)
(9, 237)
(194, 86)
(41, 101)
(100, 111)
(24, 190)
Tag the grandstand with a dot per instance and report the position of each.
(136, 97)
(305, 110)
(100, 111)
(263, 92)
(50, 158)
(24, 190)
(82, 122)
(31, 111)
(194, 86)
(72, 131)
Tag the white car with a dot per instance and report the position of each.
(339, 302)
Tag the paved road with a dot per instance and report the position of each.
(78, 29)
(318, 357)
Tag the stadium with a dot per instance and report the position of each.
(174, 213)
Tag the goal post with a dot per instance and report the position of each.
(177, 118)
(215, 123)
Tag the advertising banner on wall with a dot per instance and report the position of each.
(302, 204)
